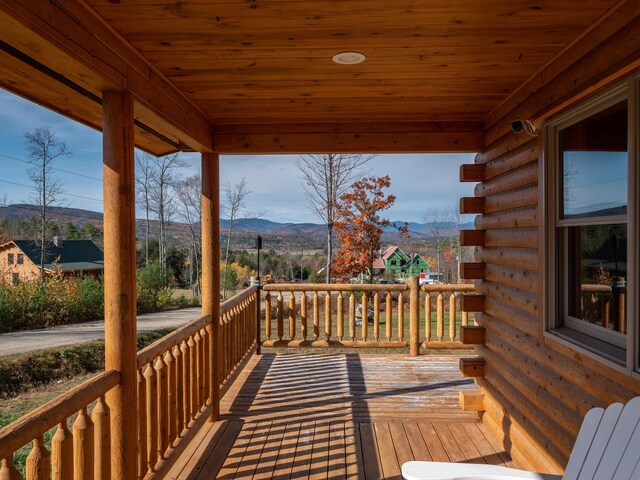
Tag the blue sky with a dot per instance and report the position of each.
(418, 181)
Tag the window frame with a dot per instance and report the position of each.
(626, 355)
(20, 259)
(10, 259)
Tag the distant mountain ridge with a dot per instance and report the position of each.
(79, 217)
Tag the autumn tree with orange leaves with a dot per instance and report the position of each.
(359, 226)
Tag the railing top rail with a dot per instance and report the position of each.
(334, 287)
(595, 288)
(174, 338)
(236, 299)
(449, 287)
(34, 424)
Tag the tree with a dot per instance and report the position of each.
(144, 176)
(359, 226)
(326, 178)
(162, 198)
(436, 219)
(234, 201)
(189, 193)
(43, 148)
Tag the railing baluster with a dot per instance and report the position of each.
(152, 417)
(83, 446)
(352, 317)
(193, 377)
(142, 425)
(267, 316)
(161, 400)
(452, 317)
(388, 318)
(400, 317)
(340, 319)
(206, 367)
(172, 403)
(100, 416)
(365, 316)
(186, 384)
(61, 453)
(201, 345)
(376, 317)
(280, 316)
(10, 472)
(465, 319)
(292, 316)
(440, 317)
(327, 316)
(316, 316)
(303, 315)
(37, 465)
(427, 317)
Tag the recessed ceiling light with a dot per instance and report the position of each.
(348, 58)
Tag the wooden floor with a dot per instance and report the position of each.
(334, 416)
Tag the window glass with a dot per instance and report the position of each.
(596, 260)
(20, 258)
(10, 259)
(593, 153)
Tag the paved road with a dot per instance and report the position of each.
(17, 342)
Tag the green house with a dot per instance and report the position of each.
(394, 263)
(416, 265)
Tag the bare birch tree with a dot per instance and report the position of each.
(233, 202)
(326, 177)
(436, 220)
(144, 176)
(189, 194)
(43, 148)
(162, 198)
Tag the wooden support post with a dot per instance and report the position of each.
(211, 273)
(120, 277)
(472, 303)
(472, 270)
(472, 172)
(414, 316)
(472, 367)
(472, 335)
(471, 205)
(472, 400)
(472, 238)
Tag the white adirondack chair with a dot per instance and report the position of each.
(607, 448)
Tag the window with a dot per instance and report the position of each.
(20, 259)
(393, 262)
(590, 194)
(10, 259)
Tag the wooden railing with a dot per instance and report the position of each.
(175, 376)
(333, 315)
(80, 446)
(604, 305)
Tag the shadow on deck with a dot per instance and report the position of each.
(336, 416)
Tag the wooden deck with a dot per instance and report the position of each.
(336, 416)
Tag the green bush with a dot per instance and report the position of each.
(154, 292)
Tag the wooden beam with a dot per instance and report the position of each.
(471, 238)
(472, 367)
(472, 400)
(211, 270)
(472, 172)
(120, 278)
(472, 335)
(472, 270)
(472, 303)
(82, 47)
(389, 137)
(469, 205)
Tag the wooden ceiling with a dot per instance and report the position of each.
(265, 61)
(256, 76)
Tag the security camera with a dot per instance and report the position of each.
(520, 126)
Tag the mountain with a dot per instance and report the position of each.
(274, 233)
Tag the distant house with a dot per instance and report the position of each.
(394, 263)
(20, 259)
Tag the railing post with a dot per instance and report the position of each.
(211, 272)
(120, 277)
(414, 316)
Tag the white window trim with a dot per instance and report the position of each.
(550, 222)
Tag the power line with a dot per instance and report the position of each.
(66, 194)
(53, 168)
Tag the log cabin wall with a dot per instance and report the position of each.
(536, 389)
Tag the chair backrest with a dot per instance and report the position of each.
(608, 444)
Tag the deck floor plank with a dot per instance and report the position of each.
(338, 416)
